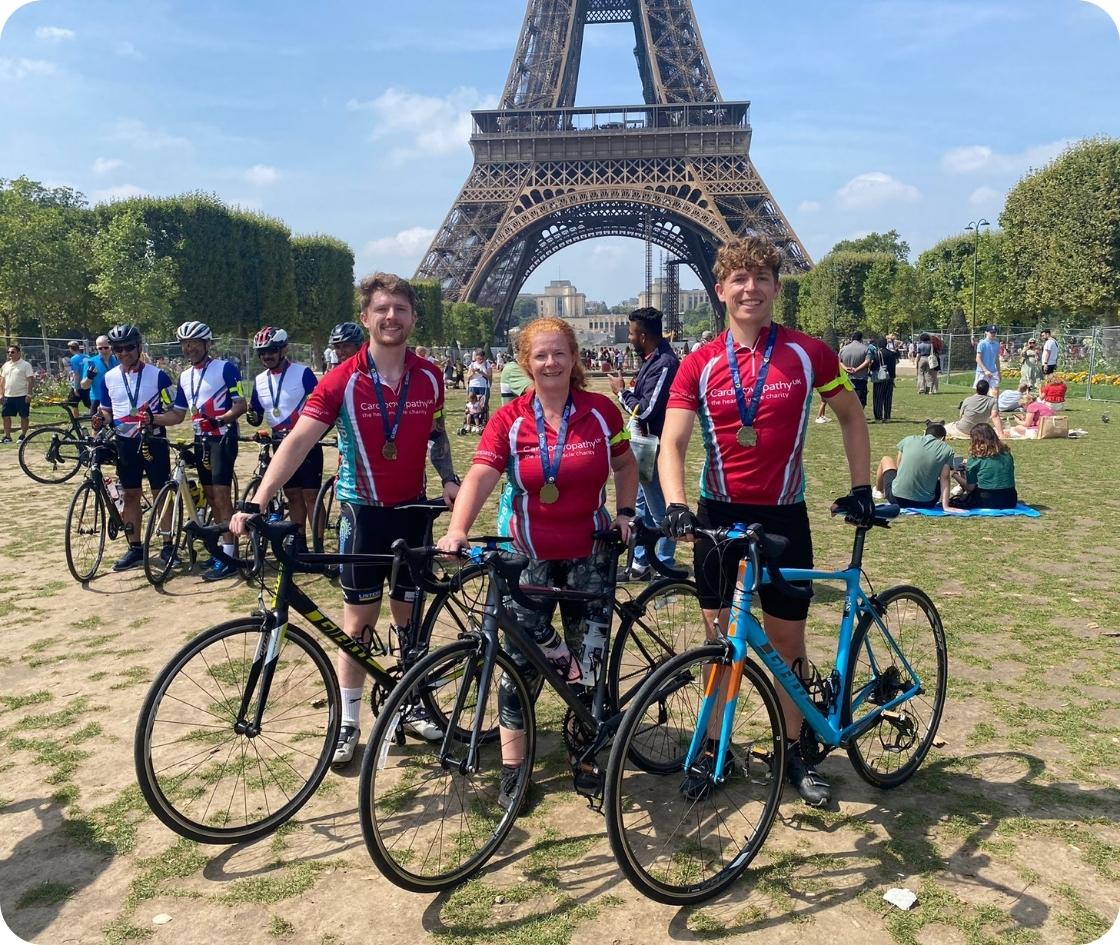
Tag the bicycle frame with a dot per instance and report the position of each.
(746, 634)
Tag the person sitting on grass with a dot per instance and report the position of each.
(988, 480)
(975, 408)
(1054, 392)
(1027, 424)
(919, 477)
(1011, 400)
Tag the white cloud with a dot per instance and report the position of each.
(874, 189)
(261, 175)
(16, 69)
(126, 50)
(105, 165)
(138, 134)
(417, 125)
(808, 206)
(121, 192)
(54, 34)
(410, 242)
(985, 197)
(979, 158)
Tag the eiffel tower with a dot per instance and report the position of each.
(674, 171)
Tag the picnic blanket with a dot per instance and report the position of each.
(1021, 509)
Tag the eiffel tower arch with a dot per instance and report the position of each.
(675, 170)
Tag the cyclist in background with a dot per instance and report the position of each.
(752, 388)
(76, 364)
(346, 338)
(279, 393)
(129, 394)
(210, 390)
(386, 402)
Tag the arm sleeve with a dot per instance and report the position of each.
(310, 381)
(829, 376)
(232, 378)
(255, 402)
(619, 435)
(493, 447)
(684, 393)
(163, 392)
(98, 392)
(180, 402)
(325, 401)
(972, 470)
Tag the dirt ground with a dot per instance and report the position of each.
(1008, 834)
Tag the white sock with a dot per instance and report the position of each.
(230, 549)
(351, 705)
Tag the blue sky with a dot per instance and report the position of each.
(351, 118)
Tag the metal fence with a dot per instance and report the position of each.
(1088, 358)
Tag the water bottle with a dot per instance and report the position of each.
(591, 653)
(115, 493)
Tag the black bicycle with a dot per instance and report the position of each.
(53, 454)
(240, 727)
(432, 814)
(95, 510)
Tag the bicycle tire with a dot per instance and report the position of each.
(410, 848)
(50, 455)
(647, 811)
(324, 524)
(156, 570)
(192, 800)
(244, 543)
(914, 625)
(664, 620)
(86, 527)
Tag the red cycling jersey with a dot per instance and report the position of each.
(346, 396)
(770, 472)
(561, 529)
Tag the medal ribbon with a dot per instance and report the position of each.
(275, 394)
(551, 469)
(196, 390)
(390, 429)
(747, 414)
(133, 398)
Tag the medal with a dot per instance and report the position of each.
(550, 465)
(276, 411)
(389, 450)
(746, 436)
(196, 390)
(275, 394)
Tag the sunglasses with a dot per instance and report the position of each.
(117, 349)
(102, 347)
(13, 351)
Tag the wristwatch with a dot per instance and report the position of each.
(628, 512)
(454, 479)
(249, 508)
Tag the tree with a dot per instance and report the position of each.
(878, 291)
(831, 296)
(890, 243)
(323, 271)
(133, 283)
(907, 300)
(941, 276)
(524, 309)
(1062, 227)
(41, 261)
(788, 299)
(468, 325)
(430, 328)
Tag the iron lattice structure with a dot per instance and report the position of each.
(674, 171)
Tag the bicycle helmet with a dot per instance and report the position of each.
(347, 333)
(270, 339)
(124, 335)
(192, 331)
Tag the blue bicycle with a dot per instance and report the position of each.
(682, 833)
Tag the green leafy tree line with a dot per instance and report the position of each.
(66, 267)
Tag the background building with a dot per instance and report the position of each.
(688, 299)
(562, 300)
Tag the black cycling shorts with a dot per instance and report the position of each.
(310, 472)
(372, 529)
(716, 577)
(217, 456)
(132, 466)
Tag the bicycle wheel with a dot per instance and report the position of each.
(86, 527)
(245, 543)
(664, 620)
(50, 455)
(886, 661)
(683, 847)
(201, 777)
(454, 612)
(165, 529)
(430, 825)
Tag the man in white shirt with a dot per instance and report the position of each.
(1049, 352)
(17, 377)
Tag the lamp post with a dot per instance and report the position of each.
(974, 226)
